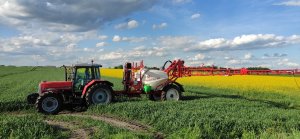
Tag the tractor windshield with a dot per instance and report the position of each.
(84, 75)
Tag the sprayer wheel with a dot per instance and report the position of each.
(155, 97)
(171, 92)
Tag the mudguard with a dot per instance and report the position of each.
(179, 85)
(91, 83)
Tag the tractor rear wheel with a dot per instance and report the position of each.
(171, 92)
(155, 97)
(99, 94)
(49, 103)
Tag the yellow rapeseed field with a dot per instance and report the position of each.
(276, 84)
(117, 73)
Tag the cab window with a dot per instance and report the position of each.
(83, 76)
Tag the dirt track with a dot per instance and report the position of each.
(85, 133)
(69, 126)
(132, 126)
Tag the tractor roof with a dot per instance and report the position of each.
(87, 65)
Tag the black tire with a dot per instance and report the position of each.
(171, 92)
(31, 98)
(99, 94)
(49, 103)
(155, 97)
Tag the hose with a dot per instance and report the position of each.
(163, 67)
(144, 73)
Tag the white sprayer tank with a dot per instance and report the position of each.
(153, 77)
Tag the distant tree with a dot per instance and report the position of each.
(257, 68)
(214, 67)
(118, 67)
(155, 68)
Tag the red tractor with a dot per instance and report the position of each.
(83, 86)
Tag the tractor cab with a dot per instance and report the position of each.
(81, 74)
(82, 87)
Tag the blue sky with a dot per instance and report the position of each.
(228, 33)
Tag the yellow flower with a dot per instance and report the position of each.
(274, 84)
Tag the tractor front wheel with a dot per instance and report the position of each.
(171, 92)
(99, 94)
(49, 103)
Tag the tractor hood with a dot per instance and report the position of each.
(54, 86)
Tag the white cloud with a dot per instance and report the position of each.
(132, 24)
(116, 38)
(71, 16)
(128, 25)
(18, 10)
(292, 64)
(287, 63)
(213, 43)
(248, 56)
(86, 49)
(197, 57)
(136, 53)
(274, 55)
(195, 16)
(180, 1)
(134, 39)
(71, 46)
(234, 62)
(121, 26)
(244, 42)
(238, 63)
(114, 55)
(227, 58)
(102, 37)
(199, 63)
(101, 44)
(56, 48)
(160, 26)
(290, 3)
(172, 42)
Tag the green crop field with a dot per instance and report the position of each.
(204, 112)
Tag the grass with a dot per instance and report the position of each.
(14, 89)
(221, 107)
(101, 129)
(213, 113)
(30, 126)
(209, 109)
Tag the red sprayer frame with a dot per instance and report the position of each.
(203, 71)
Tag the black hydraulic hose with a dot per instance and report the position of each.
(144, 74)
(163, 67)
